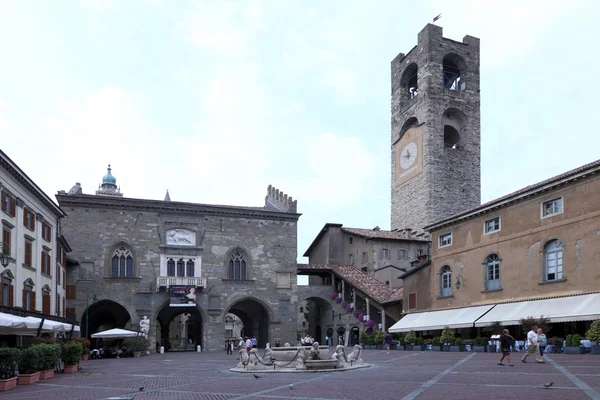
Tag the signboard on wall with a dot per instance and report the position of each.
(182, 296)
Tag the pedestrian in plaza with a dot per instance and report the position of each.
(388, 341)
(532, 340)
(248, 343)
(506, 340)
(541, 341)
(254, 342)
(229, 347)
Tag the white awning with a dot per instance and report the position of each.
(116, 333)
(434, 320)
(28, 326)
(562, 309)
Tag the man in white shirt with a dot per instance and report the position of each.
(532, 339)
(249, 343)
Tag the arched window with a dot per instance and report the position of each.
(492, 272)
(190, 268)
(171, 267)
(180, 267)
(553, 260)
(122, 263)
(237, 267)
(446, 281)
(409, 82)
(453, 66)
(455, 122)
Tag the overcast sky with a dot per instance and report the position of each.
(215, 100)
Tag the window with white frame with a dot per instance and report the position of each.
(446, 281)
(445, 240)
(492, 225)
(551, 207)
(553, 260)
(492, 272)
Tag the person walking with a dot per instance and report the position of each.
(541, 341)
(506, 340)
(388, 341)
(532, 340)
(229, 347)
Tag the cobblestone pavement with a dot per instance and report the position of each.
(393, 375)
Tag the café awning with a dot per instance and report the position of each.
(434, 320)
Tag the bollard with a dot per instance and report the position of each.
(162, 349)
(199, 349)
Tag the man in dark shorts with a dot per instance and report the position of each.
(505, 342)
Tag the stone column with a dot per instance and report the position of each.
(343, 291)
(383, 319)
(368, 308)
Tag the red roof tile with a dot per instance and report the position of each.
(528, 190)
(379, 234)
(375, 289)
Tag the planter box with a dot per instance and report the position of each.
(436, 348)
(71, 369)
(446, 347)
(137, 354)
(379, 347)
(491, 348)
(28, 379)
(575, 350)
(596, 349)
(85, 357)
(419, 347)
(7, 384)
(456, 349)
(480, 349)
(407, 347)
(46, 374)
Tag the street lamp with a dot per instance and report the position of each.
(88, 297)
(5, 258)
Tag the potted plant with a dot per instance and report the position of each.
(421, 346)
(574, 345)
(86, 347)
(379, 340)
(447, 338)
(557, 344)
(71, 355)
(436, 344)
(9, 359)
(49, 356)
(457, 345)
(480, 344)
(410, 339)
(30, 365)
(593, 334)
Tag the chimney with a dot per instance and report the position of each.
(407, 233)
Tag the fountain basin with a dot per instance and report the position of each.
(320, 364)
(283, 355)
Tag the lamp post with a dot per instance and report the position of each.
(93, 297)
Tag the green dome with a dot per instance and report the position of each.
(108, 178)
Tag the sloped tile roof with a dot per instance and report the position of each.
(375, 289)
(526, 191)
(379, 234)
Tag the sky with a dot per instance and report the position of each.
(215, 100)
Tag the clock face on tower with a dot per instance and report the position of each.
(408, 156)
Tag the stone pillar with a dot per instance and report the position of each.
(354, 298)
(343, 291)
(183, 331)
(368, 308)
(383, 319)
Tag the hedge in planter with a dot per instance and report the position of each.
(30, 364)
(71, 353)
(593, 334)
(9, 360)
(49, 357)
(447, 338)
(436, 344)
(574, 345)
(480, 344)
(457, 345)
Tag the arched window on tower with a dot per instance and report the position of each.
(446, 281)
(122, 263)
(237, 267)
(452, 73)
(455, 123)
(409, 83)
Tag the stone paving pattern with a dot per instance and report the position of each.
(393, 375)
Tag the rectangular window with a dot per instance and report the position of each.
(492, 225)
(364, 269)
(384, 253)
(351, 259)
(6, 240)
(350, 239)
(365, 257)
(28, 219)
(445, 240)
(401, 254)
(412, 301)
(28, 253)
(46, 232)
(71, 292)
(552, 207)
(46, 263)
(27, 300)
(64, 272)
(8, 204)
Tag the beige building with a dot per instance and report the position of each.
(533, 252)
(385, 255)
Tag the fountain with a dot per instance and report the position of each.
(313, 358)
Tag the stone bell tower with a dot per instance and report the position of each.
(435, 130)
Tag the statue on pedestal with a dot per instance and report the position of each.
(145, 326)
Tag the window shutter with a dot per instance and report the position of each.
(58, 304)
(46, 304)
(13, 207)
(49, 263)
(11, 294)
(24, 299)
(4, 202)
(64, 314)
(33, 301)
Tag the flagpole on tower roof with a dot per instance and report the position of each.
(437, 17)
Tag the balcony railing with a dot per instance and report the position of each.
(166, 281)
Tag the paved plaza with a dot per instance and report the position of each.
(394, 376)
